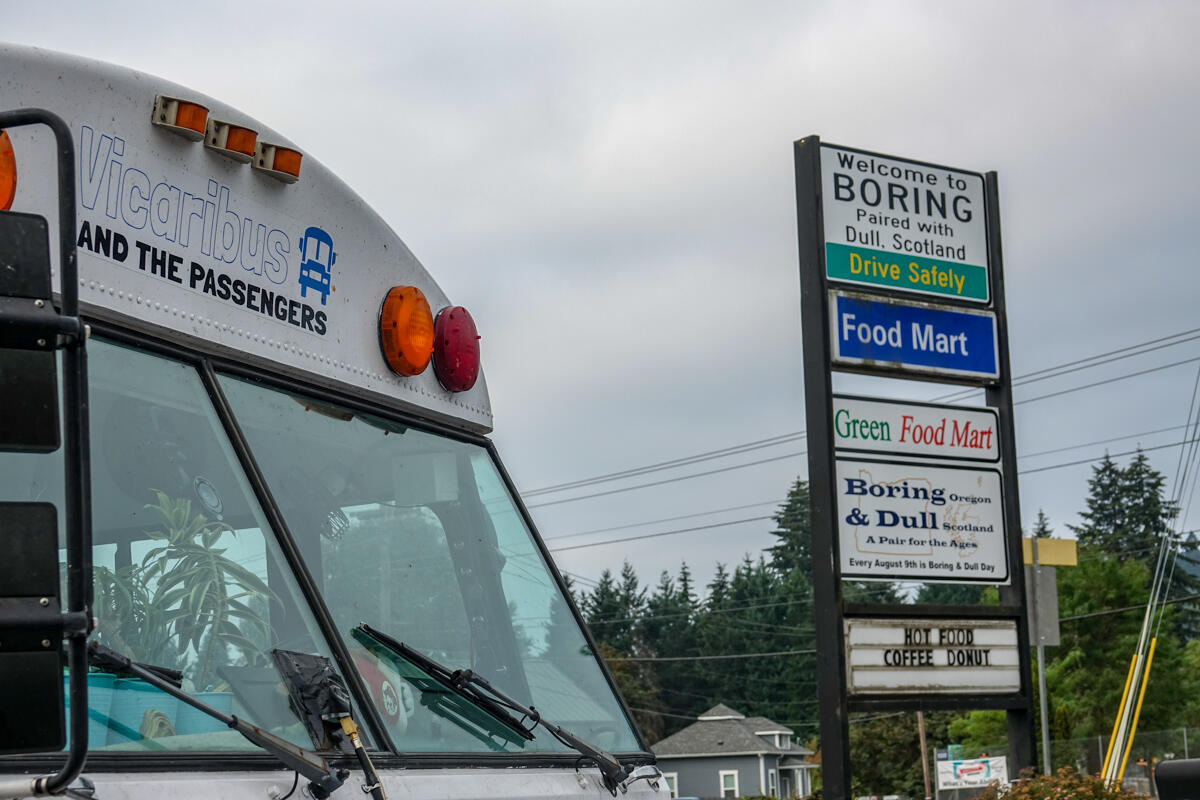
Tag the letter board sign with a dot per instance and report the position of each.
(903, 225)
(932, 656)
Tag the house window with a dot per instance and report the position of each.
(771, 782)
(729, 782)
(672, 779)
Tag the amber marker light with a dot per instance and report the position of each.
(232, 141)
(456, 349)
(187, 119)
(406, 330)
(8, 172)
(281, 163)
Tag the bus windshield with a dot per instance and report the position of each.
(417, 535)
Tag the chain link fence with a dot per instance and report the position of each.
(1087, 757)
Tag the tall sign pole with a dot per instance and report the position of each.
(999, 396)
(901, 276)
(818, 392)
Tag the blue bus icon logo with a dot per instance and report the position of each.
(316, 264)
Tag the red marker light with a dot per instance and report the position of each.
(455, 349)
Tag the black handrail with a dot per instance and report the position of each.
(76, 454)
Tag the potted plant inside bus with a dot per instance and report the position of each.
(184, 606)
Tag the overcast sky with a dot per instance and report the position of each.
(609, 188)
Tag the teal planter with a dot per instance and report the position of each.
(132, 698)
(99, 695)
(193, 720)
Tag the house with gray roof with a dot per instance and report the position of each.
(727, 754)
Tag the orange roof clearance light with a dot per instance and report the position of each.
(8, 176)
(231, 141)
(406, 330)
(187, 119)
(281, 163)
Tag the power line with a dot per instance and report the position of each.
(1142, 607)
(1058, 370)
(1108, 381)
(1101, 458)
(1046, 373)
(667, 480)
(1100, 441)
(660, 533)
(700, 528)
(803, 452)
(663, 519)
(726, 657)
(675, 462)
(778, 502)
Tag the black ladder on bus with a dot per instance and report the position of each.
(33, 624)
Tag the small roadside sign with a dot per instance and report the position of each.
(975, 773)
(891, 223)
(925, 430)
(882, 336)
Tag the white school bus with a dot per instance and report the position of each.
(283, 425)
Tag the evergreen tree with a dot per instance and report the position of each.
(604, 613)
(1041, 526)
(793, 523)
(1128, 517)
(1126, 514)
(957, 594)
(562, 636)
(667, 629)
(633, 602)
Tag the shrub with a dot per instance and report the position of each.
(1066, 784)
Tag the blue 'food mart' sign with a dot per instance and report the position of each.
(908, 337)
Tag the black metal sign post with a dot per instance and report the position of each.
(830, 611)
(818, 400)
(1020, 719)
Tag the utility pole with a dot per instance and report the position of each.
(924, 752)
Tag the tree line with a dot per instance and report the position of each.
(660, 641)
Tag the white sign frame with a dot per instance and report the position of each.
(866, 201)
(889, 512)
(932, 656)
(932, 430)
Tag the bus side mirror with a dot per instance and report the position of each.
(31, 619)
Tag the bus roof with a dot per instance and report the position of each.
(182, 241)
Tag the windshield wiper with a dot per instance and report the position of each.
(616, 776)
(322, 780)
(445, 678)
